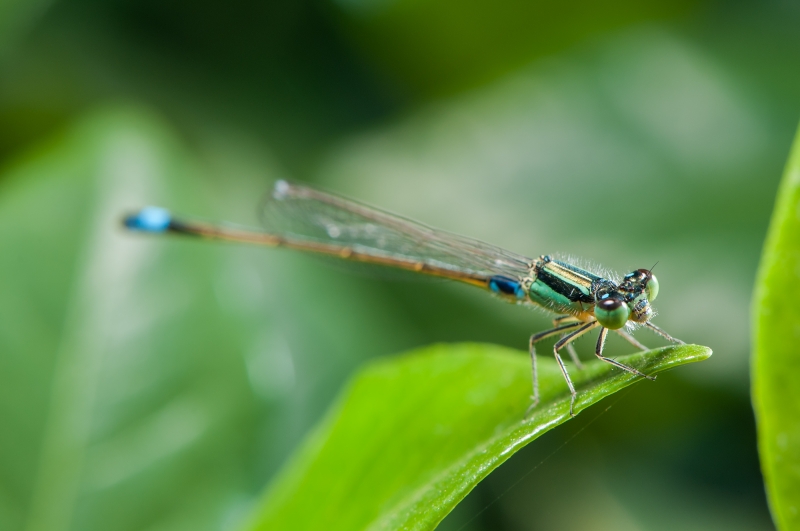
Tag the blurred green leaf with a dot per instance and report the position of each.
(414, 434)
(442, 46)
(776, 364)
(125, 400)
(16, 16)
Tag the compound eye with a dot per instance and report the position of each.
(652, 288)
(612, 313)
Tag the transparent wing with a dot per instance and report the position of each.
(305, 214)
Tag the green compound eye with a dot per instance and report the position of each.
(612, 313)
(652, 288)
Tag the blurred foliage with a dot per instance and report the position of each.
(435, 48)
(122, 379)
(160, 385)
(775, 364)
(414, 434)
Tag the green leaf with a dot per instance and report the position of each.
(124, 397)
(413, 434)
(776, 363)
(483, 40)
(16, 17)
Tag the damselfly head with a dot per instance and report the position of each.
(640, 288)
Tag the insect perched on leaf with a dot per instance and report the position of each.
(306, 219)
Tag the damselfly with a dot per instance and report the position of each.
(303, 218)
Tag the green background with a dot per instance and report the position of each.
(161, 384)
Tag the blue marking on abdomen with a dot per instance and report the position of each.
(149, 219)
(506, 286)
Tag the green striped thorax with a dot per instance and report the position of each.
(565, 288)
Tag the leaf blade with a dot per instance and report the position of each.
(120, 377)
(776, 366)
(459, 415)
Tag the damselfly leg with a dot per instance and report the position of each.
(598, 351)
(571, 331)
(575, 330)
(564, 319)
(561, 343)
(663, 334)
(535, 338)
(630, 339)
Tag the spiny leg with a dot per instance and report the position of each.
(570, 347)
(663, 334)
(558, 346)
(535, 338)
(630, 339)
(601, 341)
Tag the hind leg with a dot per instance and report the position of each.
(535, 338)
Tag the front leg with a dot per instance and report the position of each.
(663, 334)
(601, 341)
(630, 339)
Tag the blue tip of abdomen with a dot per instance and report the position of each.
(149, 219)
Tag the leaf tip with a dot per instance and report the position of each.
(683, 354)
